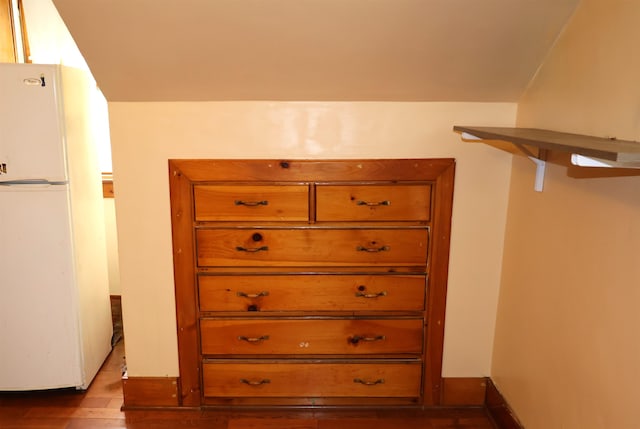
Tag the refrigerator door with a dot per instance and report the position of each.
(31, 128)
(39, 326)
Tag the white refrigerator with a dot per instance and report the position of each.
(55, 313)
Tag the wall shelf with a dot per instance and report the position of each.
(621, 151)
(586, 151)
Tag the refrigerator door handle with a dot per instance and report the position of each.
(29, 182)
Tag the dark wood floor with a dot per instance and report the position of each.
(99, 407)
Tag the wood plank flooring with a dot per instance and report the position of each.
(99, 407)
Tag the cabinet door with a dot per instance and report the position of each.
(312, 247)
(304, 292)
(285, 379)
(311, 337)
(373, 202)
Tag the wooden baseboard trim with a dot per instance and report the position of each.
(150, 392)
(463, 391)
(499, 409)
(162, 392)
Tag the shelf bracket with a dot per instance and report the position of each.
(539, 161)
(588, 161)
(540, 170)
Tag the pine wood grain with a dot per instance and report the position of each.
(367, 216)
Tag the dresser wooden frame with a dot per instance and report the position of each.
(186, 174)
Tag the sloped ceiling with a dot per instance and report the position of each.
(356, 50)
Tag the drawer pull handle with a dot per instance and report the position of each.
(371, 295)
(374, 204)
(369, 383)
(255, 383)
(252, 249)
(373, 249)
(357, 338)
(253, 339)
(251, 203)
(253, 295)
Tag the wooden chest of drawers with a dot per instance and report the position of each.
(310, 282)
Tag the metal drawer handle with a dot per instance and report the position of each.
(255, 383)
(252, 249)
(373, 249)
(369, 383)
(371, 295)
(251, 203)
(253, 295)
(253, 339)
(374, 204)
(357, 338)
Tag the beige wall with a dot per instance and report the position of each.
(567, 349)
(49, 39)
(146, 135)
(112, 246)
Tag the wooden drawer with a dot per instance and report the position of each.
(311, 247)
(304, 379)
(310, 336)
(373, 202)
(305, 292)
(251, 203)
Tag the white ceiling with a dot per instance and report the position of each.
(356, 50)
